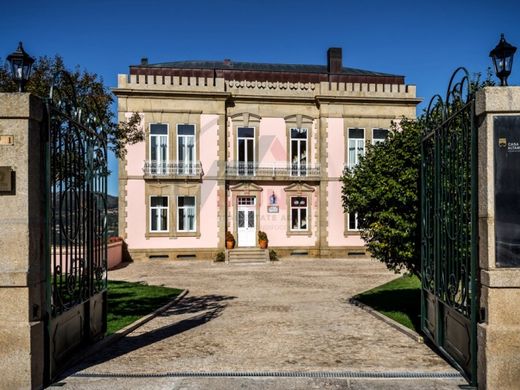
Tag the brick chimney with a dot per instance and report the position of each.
(334, 60)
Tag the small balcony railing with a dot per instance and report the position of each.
(172, 169)
(272, 170)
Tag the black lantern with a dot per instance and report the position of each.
(502, 56)
(21, 64)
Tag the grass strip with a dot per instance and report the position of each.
(399, 300)
(129, 301)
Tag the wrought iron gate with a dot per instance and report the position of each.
(449, 231)
(77, 172)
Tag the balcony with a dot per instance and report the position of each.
(172, 170)
(272, 171)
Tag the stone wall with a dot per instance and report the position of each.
(499, 329)
(22, 272)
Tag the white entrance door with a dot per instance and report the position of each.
(246, 220)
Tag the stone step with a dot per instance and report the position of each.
(247, 255)
(253, 253)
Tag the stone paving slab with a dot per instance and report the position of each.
(291, 315)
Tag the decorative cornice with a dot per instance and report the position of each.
(299, 187)
(271, 85)
(246, 187)
(156, 93)
(378, 100)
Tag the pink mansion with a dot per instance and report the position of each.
(245, 147)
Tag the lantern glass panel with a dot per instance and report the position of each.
(17, 69)
(26, 71)
(508, 63)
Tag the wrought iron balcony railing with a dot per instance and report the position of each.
(172, 169)
(271, 170)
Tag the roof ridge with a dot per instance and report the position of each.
(260, 66)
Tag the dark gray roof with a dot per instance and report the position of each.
(252, 66)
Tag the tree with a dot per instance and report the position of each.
(88, 88)
(384, 190)
(384, 187)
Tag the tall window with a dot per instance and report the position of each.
(186, 149)
(186, 214)
(158, 148)
(159, 214)
(299, 213)
(379, 135)
(356, 146)
(352, 221)
(246, 151)
(298, 152)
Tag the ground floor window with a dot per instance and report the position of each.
(299, 213)
(186, 214)
(159, 214)
(352, 221)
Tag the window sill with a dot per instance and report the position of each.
(299, 233)
(157, 234)
(186, 234)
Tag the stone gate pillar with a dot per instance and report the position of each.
(22, 288)
(498, 111)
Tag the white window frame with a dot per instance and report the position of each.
(185, 208)
(356, 226)
(188, 166)
(245, 150)
(164, 168)
(299, 170)
(359, 141)
(291, 207)
(378, 140)
(159, 208)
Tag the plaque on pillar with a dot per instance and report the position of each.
(507, 190)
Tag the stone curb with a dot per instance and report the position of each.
(113, 338)
(394, 324)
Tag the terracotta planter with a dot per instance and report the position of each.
(263, 244)
(230, 244)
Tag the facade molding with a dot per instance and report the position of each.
(246, 188)
(299, 188)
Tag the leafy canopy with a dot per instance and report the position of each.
(384, 187)
(89, 89)
(384, 190)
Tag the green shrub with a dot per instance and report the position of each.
(273, 256)
(220, 257)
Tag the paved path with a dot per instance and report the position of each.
(292, 316)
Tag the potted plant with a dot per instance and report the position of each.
(262, 239)
(230, 240)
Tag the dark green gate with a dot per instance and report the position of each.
(76, 241)
(449, 232)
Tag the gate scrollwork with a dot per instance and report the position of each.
(77, 193)
(449, 222)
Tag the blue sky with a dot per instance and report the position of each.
(423, 40)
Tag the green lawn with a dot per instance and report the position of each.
(399, 299)
(128, 302)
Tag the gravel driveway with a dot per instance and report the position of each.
(292, 315)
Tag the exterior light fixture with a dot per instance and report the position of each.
(502, 56)
(21, 65)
